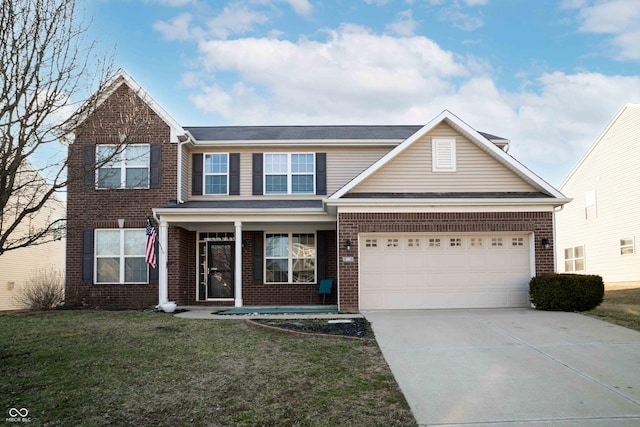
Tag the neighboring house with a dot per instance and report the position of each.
(428, 216)
(597, 231)
(17, 266)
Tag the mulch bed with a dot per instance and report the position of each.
(356, 328)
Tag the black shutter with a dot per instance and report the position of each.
(321, 246)
(258, 245)
(257, 174)
(321, 173)
(154, 273)
(88, 165)
(155, 162)
(234, 174)
(196, 174)
(87, 256)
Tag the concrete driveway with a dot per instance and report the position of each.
(511, 367)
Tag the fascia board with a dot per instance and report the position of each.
(548, 201)
(597, 142)
(298, 142)
(122, 77)
(253, 215)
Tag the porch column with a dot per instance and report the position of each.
(238, 264)
(163, 275)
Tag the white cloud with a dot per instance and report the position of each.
(618, 18)
(404, 25)
(180, 28)
(301, 7)
(172, 3)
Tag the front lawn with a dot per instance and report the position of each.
(100, 368)
(621, 306)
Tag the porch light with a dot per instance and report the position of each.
(348, 244)
(545, 243)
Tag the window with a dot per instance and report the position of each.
(289, 173)
(590, 210)
(574, 259)
(517, 241)
(434, 243)
(443, 154)
(413, 243)
(124, 167)
(290, 257)
(216, 173)
(455, 242)
(392, 243)
(627, 246)
(371, 243)
(496, 242)
(119, 256)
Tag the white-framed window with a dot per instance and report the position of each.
(434, 242)
(627, 246)
(126, 167)
(392, 242)
(216, 173)
(120, 256)
(413, 242)
(289, 173)
(443, 154)
(497, 242)
(574, 259)
(590, 208)
(517, 241)
(290, 258)
(455, 242)
(371, 243)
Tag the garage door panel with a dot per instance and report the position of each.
(445, 271)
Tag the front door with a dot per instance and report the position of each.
(220, 269)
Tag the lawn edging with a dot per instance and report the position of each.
(310, 334)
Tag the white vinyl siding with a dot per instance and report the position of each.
(610, 169)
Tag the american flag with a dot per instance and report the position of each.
(150, 254)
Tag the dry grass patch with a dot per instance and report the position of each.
(620, 306)
(98, 369)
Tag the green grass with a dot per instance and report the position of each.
(621, 307)
(98, 369)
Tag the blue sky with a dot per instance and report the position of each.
(548, 75)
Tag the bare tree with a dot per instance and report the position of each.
(46, 60)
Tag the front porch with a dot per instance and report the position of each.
(260, 260)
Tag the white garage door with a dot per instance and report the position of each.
(444, 271)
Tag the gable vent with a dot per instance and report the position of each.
(443, 154)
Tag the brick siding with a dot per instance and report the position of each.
(92, 209)
(351, 224)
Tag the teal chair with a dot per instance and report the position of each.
(324, 290)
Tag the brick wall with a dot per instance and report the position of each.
(123, 113)
(282, 294)
(351, 224)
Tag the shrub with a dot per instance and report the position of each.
(566, 292)
(43, 290)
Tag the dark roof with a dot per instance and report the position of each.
(460, 195)
(248, 133)
(283, 133)
(248, 204)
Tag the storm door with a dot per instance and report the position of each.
(220, 269)
(216, 266)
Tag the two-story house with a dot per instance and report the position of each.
(428, 216)
(597, 231)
